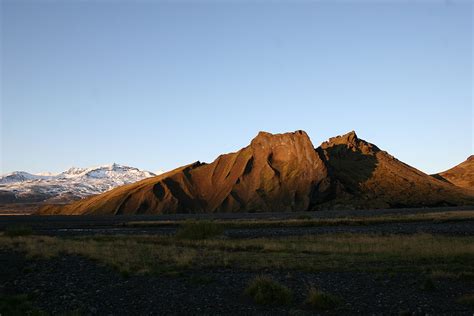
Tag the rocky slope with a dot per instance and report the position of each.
(461, 175)
(363, 176)
(281, 172)
(73, 184)
(274, 173)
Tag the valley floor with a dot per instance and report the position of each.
(76, 285)
(389, 263)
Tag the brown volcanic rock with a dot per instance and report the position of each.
(363, 176)
(461, 175)
(279, 172)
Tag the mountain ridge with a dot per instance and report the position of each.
(279, 172)
(364, 176)
(71, 184)
(259, 177)
(461, 175)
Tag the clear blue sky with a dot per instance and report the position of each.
(158, 84)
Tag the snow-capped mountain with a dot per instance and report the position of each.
(21, 176)
(73, 183)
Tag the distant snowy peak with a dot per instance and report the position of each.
(21, 176)
(107, 171)
(72, 172)
(73, 183)
(117, 172)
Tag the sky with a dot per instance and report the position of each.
(159, 84)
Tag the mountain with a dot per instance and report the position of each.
(72, 184)
(21, 176)
(273, 173)
(363, 176)
(461, 175)
(281, 172)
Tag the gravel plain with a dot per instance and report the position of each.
(72, 283)
(76, 284)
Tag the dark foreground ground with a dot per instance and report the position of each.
(72, 283)
(429, 270)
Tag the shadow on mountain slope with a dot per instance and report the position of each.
(349, 167)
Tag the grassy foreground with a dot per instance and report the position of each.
(439, 255)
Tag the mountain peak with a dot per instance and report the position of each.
(461, 175)
(115, 166)
(351, 136)
(352, 142)
(73, 171)
(265, 137)
(346, 139)
(74, 182)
